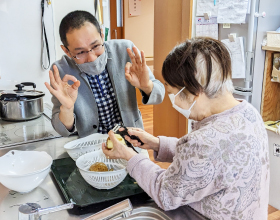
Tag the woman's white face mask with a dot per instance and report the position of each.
(185, 112)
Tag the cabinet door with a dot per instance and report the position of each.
(116, 19)
(173, 23)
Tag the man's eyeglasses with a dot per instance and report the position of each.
(83, 55)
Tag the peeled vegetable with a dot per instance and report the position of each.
(109, 143)
(98, 167)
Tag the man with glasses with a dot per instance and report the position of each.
(93, 87)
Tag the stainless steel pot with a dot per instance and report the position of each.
(21, 105)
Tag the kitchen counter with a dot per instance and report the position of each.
(48, 194)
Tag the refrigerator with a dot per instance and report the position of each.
(253, 32)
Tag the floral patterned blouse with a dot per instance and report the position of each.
(220, 169)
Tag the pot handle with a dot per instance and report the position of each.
(29, 84)
(4, 97)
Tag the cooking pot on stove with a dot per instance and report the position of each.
(20, 104)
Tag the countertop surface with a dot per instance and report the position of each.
(48, 194)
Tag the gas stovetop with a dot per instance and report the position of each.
(13, 133)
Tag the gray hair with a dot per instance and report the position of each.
(200, 65)
(217, 86)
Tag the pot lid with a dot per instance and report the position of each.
(24, 93)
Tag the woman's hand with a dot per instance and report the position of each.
(137, 72)
(150, 141)
(65, 93)
(119, 150)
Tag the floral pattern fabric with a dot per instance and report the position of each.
(221, 168)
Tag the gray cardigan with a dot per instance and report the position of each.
(85, 108)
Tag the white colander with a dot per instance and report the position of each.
(102, 180)
(81, 146)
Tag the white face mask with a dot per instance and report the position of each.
(96, 67)
(185, 112)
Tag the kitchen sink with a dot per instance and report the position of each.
(147, 213)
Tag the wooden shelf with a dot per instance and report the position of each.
(277, 49)
(270, 106)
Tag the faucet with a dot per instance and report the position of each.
(33, 211)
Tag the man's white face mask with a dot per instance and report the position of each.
(95, 67)
(185, 112)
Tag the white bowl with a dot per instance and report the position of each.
(23, 171)
(102, 180)
(81, 146)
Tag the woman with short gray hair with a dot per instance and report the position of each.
(221, 168)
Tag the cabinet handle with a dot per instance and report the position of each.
(116, 33)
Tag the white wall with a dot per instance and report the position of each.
(62, 8)
(20, 44)
(20, 39)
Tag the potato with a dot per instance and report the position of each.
(109, 143)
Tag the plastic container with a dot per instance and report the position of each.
(23, 171)
(273, 39)
(81, 146)
(102, 180)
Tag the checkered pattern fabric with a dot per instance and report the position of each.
(105, 98)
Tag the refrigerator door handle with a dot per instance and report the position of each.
(249, 66)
